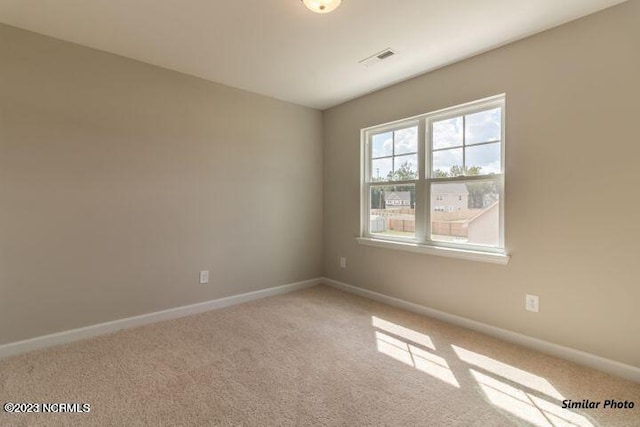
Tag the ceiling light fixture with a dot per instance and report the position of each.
(322, 6)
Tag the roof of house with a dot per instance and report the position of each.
(453, 188)
(494, 205)
(398, 195)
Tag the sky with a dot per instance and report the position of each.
(406, 148)
(479, 127)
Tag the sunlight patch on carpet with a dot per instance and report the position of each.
(402, 348)
(526, 406)
(509, 372)
(401, 331)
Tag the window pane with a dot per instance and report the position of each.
(382, 145)
(381, 169)
(483, 159)
(447, 163)
(447, 133)
(392, 210)
(466, 213)
(406, 140)
(483, 126)
(406, 167)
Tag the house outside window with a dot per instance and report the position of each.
(437, 180)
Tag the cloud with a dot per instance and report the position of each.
(447, 133)
(382, 145)
(483, 126)
(406, 140)
(485, 156)
(380, 168)
(444, 159)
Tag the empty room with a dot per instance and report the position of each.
(319, 212)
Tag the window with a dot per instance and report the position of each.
(437, 180)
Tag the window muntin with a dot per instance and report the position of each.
(466, 144)
(392, 211)
(394, 155)
(438, 179)
(483, 126)
(471, 214)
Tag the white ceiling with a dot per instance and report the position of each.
(281, 49)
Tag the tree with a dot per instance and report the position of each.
(482, 194)
(404, 173)
(457, 170)
(377, 197)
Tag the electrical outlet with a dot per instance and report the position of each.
(532, 303)
(204, 277)
(343, 262)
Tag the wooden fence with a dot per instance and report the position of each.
(404, 220)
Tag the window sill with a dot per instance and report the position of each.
(490, 257)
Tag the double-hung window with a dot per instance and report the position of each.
(435, 183)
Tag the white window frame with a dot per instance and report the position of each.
(422, 242)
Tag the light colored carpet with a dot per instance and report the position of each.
(314, 357)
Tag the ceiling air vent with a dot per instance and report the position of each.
(378, 57)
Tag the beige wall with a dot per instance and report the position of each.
(573, 141)
(119, 181)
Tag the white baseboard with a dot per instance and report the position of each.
(580, 357)
(144, 319)
(606, 365)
